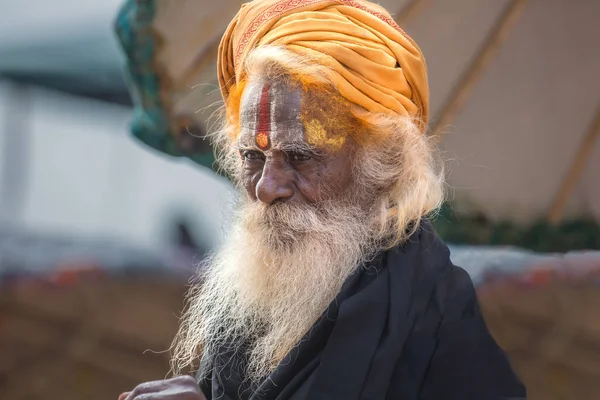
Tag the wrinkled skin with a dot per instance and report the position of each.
(288, 169)
(180, 388)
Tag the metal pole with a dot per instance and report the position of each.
(576, 168)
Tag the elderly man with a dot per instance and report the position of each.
(331, 283)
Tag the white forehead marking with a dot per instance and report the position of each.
(285, 108)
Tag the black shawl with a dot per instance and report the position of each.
(407, 327)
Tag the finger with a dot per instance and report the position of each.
(123, 396)
(145, 388)
(185, 380)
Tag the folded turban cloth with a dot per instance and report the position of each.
(374, 63)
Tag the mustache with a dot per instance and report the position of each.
(283, 225)
(297, 218)
(292, 225)
(292, 214)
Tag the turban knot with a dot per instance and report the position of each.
(373, 63)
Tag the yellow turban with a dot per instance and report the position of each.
(374, 63)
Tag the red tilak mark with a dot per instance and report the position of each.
(264, 119)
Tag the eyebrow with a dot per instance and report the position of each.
(297, 147)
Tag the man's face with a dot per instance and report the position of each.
(292, 149)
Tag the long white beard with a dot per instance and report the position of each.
(276, 274)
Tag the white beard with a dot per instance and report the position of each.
(275, 275)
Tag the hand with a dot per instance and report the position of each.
(180, 388)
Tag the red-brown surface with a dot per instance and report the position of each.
(87, 338)
(548, 320)
(85, 341)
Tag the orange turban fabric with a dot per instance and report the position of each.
(374, 63)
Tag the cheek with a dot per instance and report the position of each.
(339, 179)
(329, 181)
(248, 179)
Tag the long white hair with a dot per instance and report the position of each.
(281, 265)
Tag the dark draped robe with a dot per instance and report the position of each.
(407, 327)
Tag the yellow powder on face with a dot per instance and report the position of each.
(316, 135)
(232, 107)
(325, 115)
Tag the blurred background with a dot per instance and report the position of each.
(106, 208)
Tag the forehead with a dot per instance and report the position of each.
(272, 110)
(277, 113)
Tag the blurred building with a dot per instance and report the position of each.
(68, 165)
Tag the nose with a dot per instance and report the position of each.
(275, 184)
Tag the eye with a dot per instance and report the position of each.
(252, 155)
(296, 156)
